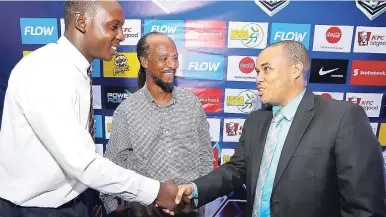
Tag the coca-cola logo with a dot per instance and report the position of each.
(246, 65)
(333, 35)
(327, 95)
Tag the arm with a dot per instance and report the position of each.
(49, 108)
(359, 164)
(225, 178)
(205, 149)
(116, 151)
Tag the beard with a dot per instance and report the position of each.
(166, 87)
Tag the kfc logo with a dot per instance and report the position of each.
(363, 38)
(355, 100)
(333, 35)
(232, 128)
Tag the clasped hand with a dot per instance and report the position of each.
(170, 196)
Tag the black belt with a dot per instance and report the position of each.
(73, 202)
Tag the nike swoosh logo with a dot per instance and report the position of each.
(321, 72)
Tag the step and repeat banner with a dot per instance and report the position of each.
(218, 42)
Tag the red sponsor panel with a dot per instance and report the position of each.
(210, 98)
(370, 73)
(200, 33)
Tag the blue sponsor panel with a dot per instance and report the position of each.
(289, 31)
(38, 30)
(203, 67)
(98, 126)
(175, 29)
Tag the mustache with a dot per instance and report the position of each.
(169, 71)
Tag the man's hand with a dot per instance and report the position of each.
(185, 193)
(167, 195)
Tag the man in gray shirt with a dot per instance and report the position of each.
(160, 131)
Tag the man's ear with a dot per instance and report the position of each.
(297, 69)
(143, 62)
(80, 22)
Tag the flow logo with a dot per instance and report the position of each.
(288, 31)
(202, 66)
(173, 28)
(332, 71)
(38, 30)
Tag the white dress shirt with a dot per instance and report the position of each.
(47, 156)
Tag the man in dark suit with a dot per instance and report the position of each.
(305, 156)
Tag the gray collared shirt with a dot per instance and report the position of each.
(169, 142)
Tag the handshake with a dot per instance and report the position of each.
(170, 196)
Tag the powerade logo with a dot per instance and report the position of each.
(173, 28)
(115, 95)
(205, 67)
(288, 31)
(38, 30)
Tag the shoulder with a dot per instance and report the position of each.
(133, 102)
(333, 106)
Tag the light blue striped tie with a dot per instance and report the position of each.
(269, 150)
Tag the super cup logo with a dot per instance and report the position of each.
(333, 35)
(121, 66)
(371, 9)
(272, 7)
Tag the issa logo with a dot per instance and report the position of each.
(241, 68)
(333, 38)
(247, 35)
(288, 31)
(241, 101)
(173, 28)
(38, 30)
(207, 67)
(372, 9)
(332, 71)
(371, 73)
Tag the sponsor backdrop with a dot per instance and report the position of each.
(218, 43)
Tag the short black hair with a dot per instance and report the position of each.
(84, 6)
(143, 50)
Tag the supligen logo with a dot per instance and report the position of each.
(203, 67)
(38, 30)
(288, 31)
(173, 28)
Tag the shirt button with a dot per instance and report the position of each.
(170, 151)
(167, 132)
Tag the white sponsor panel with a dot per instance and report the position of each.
(375, 127)
(370, 102)
(108, 126)
(214, 129)
(167, 6)
(179, 72)
(247, 35)
(99, 149)
(241, 101)
(272, 7)
(370, 39)
(241, 68)
(226, 154)
(96, 99)
(131, 31)
(331, 95)
(62, 26)
(232, 129)
(333, 38)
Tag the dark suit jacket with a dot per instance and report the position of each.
(331, 164)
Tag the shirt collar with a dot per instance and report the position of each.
(289, 110)
(76, 56)
(150, 98)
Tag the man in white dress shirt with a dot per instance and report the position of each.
(47, 156)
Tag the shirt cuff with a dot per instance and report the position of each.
(195, 191)
(148, 192)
